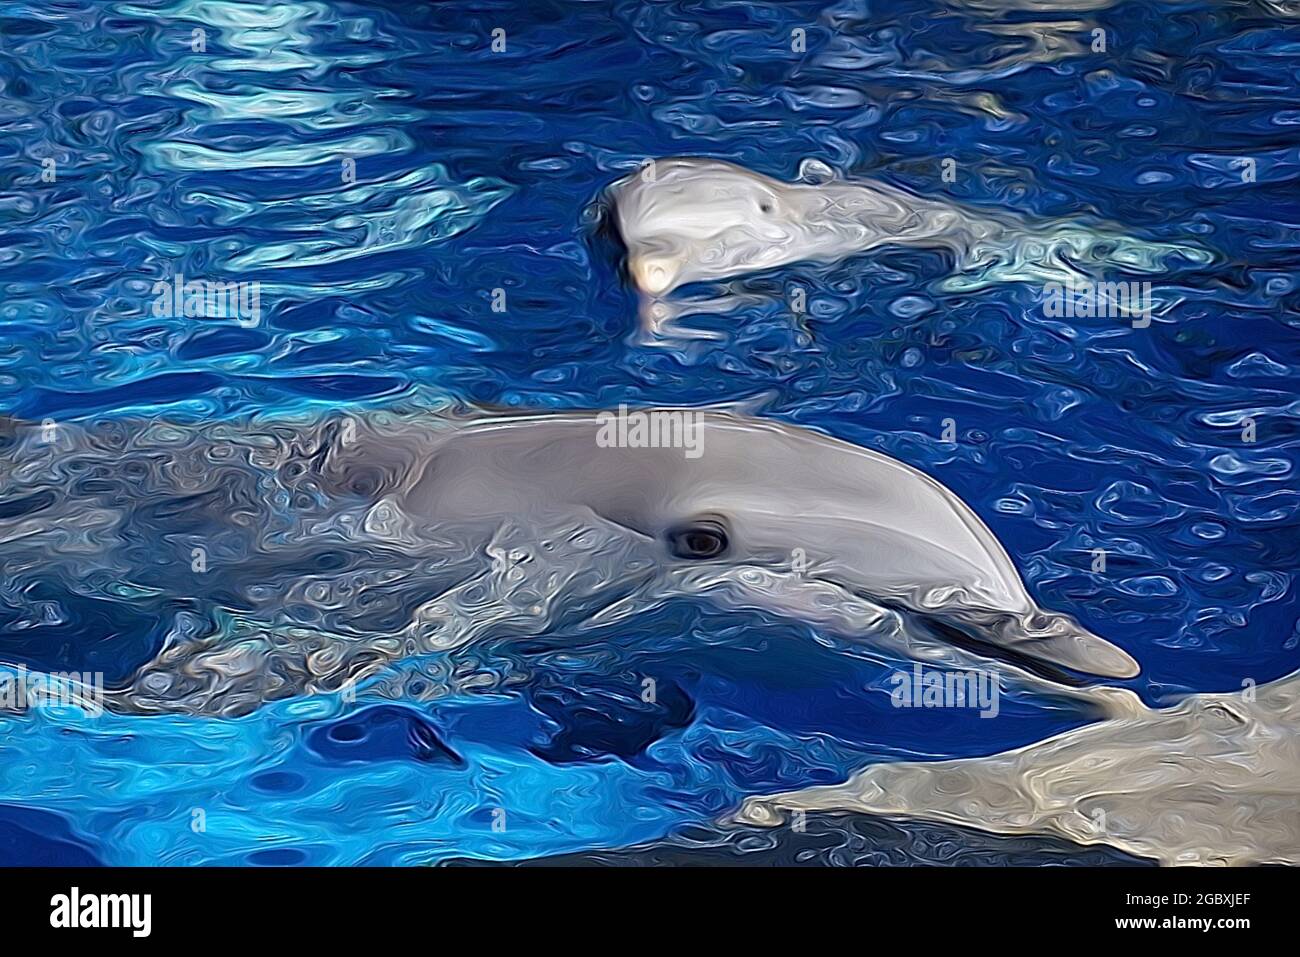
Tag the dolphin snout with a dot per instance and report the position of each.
(654, 274)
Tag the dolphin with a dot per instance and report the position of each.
(765, 496)
(685, 220)
(332, 550)
(1210, 780)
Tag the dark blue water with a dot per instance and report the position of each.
(475, 171)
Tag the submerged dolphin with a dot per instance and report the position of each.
(687, 220)
(335, 550)
(1212, 780)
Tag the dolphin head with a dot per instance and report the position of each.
(683, 220)
(751, 513)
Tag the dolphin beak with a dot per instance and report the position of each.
(653, 274)
(1060, 640)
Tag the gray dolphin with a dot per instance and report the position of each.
(688, 220)
(765, 496)
(331, 550)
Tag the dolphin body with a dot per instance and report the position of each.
(686, 220)
(1211, 780)
(332, 550)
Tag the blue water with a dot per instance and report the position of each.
(476, 170)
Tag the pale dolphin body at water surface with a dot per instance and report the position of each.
(330, 551)
(1210, 781)
(686, 220)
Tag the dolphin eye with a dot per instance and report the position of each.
(698, 540)
(764, 206)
